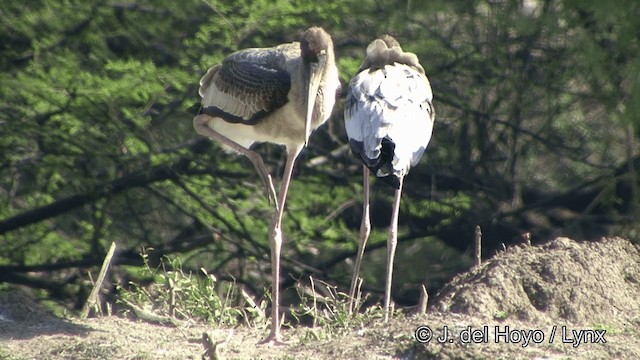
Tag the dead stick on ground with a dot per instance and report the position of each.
(148, 316)
(92, 299)
(478, 241)
(424, 299)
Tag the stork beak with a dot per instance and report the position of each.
(314, 73)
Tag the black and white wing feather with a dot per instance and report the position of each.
(248, 85)
(389, 119)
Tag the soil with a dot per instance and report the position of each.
(561, 300)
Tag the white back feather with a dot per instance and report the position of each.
(395, 102)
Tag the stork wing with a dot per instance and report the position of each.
(389, 118)
(246, 87)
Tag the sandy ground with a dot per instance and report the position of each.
(561, 300)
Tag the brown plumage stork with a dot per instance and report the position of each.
(389, 120)
(278, 95)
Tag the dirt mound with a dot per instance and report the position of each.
(23, 318)
(16, 306)
(581, 282)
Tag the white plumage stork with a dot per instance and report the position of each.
(278, 95)
(389, 120)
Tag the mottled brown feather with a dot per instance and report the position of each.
(249, 85)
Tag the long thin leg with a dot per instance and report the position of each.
(392, 241)
(365, 230)
(275, 237)
(201, 127)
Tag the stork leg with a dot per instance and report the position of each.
(275, 238)
(201, 127)
(365, 230)
(392, 241)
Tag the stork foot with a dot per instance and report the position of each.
(270, 190)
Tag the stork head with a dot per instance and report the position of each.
(389, 41)
(315, 46)
(386, 50)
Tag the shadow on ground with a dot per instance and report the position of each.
(22, 318)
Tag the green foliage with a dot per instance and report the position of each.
(174, 294)
(329, 313)
(533, 99)
(450, 208)
(610, 53)
(610, 329)
(5, 356)
(501, 315)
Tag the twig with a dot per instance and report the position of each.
(337, 211)
(148, 316)
(92, 299)
(315, 303)
(252, 303)
(424, 299)
(478, 242)
(221, 15)
(172, 298)
(355, 303)
(323, 159)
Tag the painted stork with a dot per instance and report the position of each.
(278, 95)
(389, 119)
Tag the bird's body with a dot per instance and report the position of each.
(389, 121)
(272, 110)
(278, 95)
